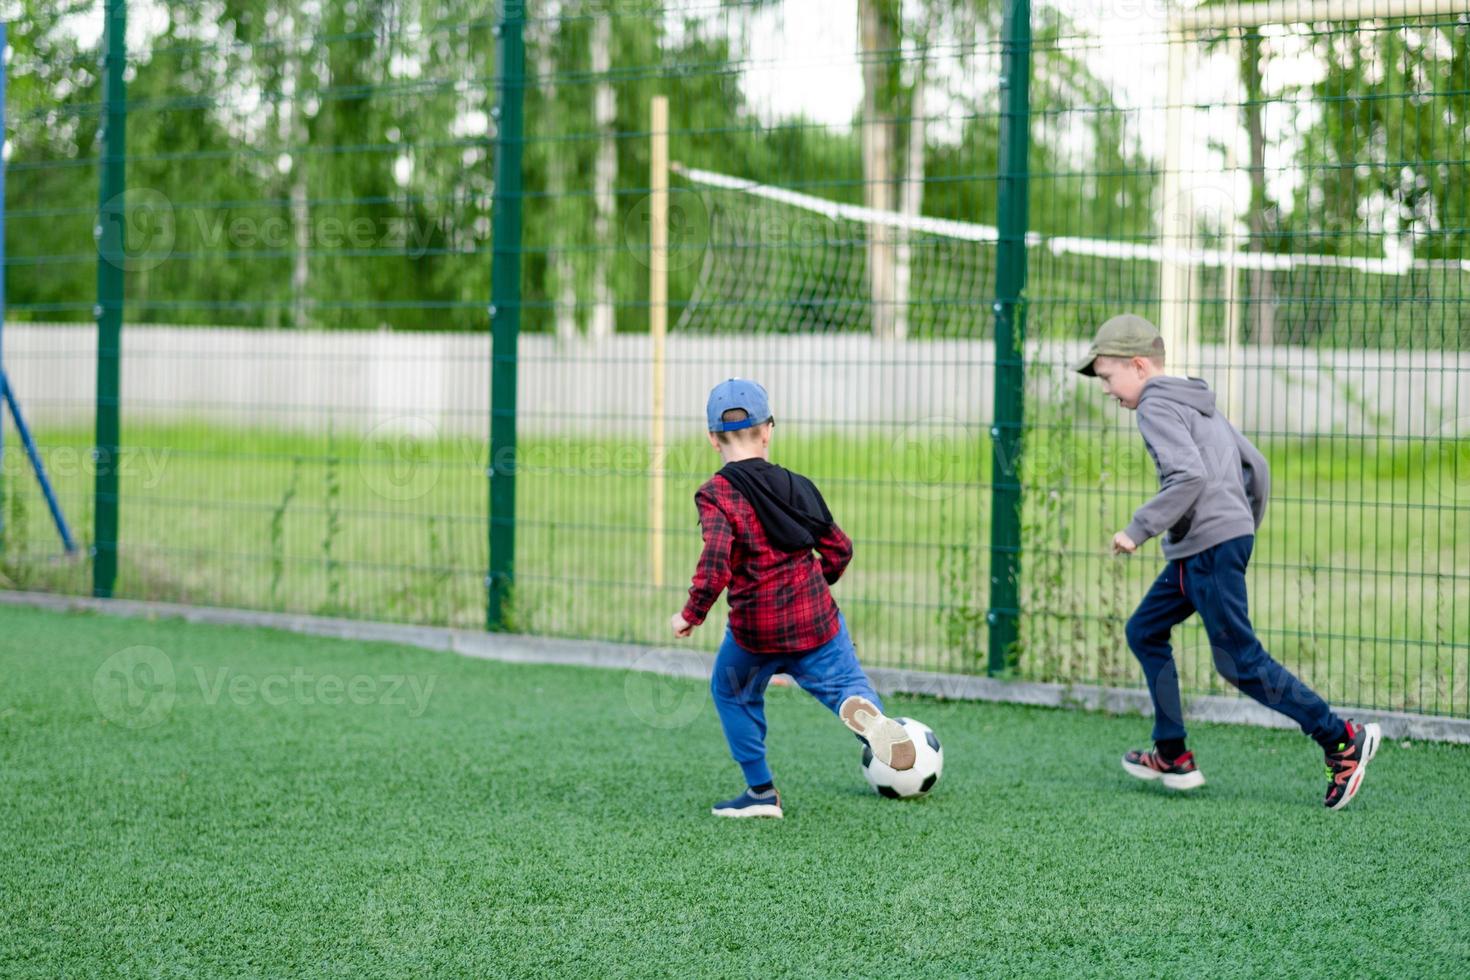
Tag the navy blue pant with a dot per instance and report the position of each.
(830, 673)
(1212, 583)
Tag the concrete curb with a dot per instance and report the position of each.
(518, 648)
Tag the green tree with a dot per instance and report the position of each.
(54, 89)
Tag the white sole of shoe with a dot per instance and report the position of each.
(1188, 780)
(889, 740)
(766, 810)
(1370, 748)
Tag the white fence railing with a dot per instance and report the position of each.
(359, 381)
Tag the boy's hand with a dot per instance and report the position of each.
(680, 626)
(1123, 544)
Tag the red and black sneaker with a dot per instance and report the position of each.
(1181, 773)
(1346, 765)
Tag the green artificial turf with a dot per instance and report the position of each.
(288, 805)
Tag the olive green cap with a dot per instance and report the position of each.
(1125, 335)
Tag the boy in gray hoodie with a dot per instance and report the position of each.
(1213, 486)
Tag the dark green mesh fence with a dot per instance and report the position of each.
(302, 251)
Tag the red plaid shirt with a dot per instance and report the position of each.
(779, 600)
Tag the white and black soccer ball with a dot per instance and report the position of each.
(918, 781)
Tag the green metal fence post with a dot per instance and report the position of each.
(505, 312)
(109, 232)
(1010, 333)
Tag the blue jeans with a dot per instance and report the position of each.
(830, 673)
(1212, 583)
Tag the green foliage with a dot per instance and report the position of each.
(440, 571)
(278, 534)
(331, 564)
(329, 165)
(15, 566)
(1387, 151)
(962, 599)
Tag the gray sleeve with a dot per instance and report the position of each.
(1257, 476)
(1182, 474)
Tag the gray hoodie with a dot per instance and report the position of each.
(1213, 483)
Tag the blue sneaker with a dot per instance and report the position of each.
(747, 804)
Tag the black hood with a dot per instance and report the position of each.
(789, 506)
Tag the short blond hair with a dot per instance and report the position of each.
(742, 437)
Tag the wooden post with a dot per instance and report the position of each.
(658, 318)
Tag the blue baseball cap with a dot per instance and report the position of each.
(737, 393)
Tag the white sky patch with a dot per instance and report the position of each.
(402, 66)
(247, 101)
(804, 61)
(804, 55)
(469, 124)
(146, 20)
(86, 27)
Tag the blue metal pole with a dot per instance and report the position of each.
(3, 41)
(34, 456)
(7, 394)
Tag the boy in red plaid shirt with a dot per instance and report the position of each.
(770, 539)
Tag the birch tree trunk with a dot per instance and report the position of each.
(294, 134)
(1262, 304)
(541, 41)
(911, 201)
(605, 174)
(876, 38)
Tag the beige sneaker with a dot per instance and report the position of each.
(888, 739)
